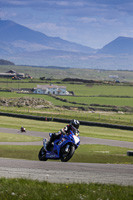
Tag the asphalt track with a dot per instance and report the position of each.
(66, 172)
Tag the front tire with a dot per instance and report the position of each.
(42, 155)
(65, 156)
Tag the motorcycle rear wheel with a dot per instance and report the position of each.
(42, 155)
(65, 156)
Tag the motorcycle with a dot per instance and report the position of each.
(63, 148)
(22, 129)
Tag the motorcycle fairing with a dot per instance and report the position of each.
(59, 143)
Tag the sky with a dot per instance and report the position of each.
(92, 23)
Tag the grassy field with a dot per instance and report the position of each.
(88, 96)
(81, 89)
(103, 95)
(104, 117)
(14, 189)
(7, 137)
(116, 94)
(119, 101)
(58, 73)
(45, 126)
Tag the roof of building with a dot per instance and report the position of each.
(50, 86)
(11, 71)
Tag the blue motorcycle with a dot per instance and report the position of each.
(62, 148)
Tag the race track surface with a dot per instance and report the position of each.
(67, 172)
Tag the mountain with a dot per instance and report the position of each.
(24, 39)
(24, 46)
(121, 45)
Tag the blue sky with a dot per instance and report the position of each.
(93, 23)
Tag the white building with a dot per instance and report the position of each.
(113, 76)
(51, 89)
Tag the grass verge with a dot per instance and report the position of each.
(23, 189)
(101, 154)
(45, 126)
(7, 137)
(84, 154)
(101, 116)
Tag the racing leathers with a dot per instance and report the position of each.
(64, 131)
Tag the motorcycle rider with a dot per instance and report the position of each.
(73, 126)
(22, 129)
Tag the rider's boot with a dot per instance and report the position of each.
(53, 137)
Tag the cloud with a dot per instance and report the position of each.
(52, 29)
(6, 14)
(61, 3)
(75, 7)
(86, 20)
(13, 3)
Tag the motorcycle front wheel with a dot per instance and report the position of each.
(42, 155)
(65, 156)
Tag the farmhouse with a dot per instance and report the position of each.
(51, 89)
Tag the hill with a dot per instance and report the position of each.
(6, 62)
(121, 45)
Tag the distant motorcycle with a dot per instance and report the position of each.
(63, 148)
(22, 129)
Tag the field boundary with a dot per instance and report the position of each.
(85, 123)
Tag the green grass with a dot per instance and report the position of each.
(102, 154)
(31, 125)
(104, 117)
(102, 100)
(20, 152)
(84, 154)
(23, 189)
(104, 95)
(45, 126)
(107, 133)
(84, 90)
(78, 89)
(17, 84)
(87, 93)
(37, 72)
(7, 137)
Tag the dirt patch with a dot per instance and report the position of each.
(25, 101)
